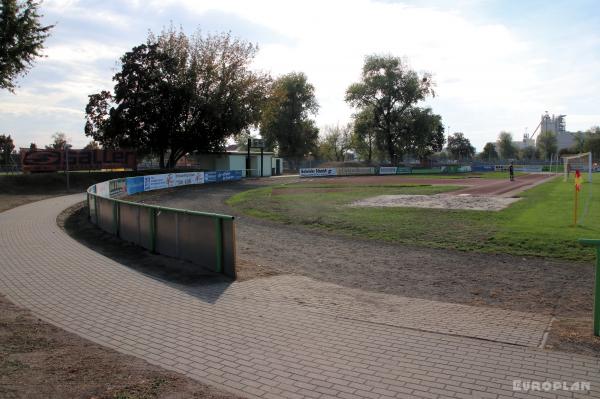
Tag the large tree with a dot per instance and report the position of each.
(286, 122)
(547, 144)
(6, 148)
(489, 152)
(389, 88)
(592, 142)
(529, 152)
(426, 132)
(460, 147)
(364, 136)
(336, 142)
(505, 146)
(22, 39)
(177, 94)
(59, 140)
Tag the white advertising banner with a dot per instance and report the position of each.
(317, 172)
(355, 171)
(183, 179)
(102, 189)
(157, 182)
(387, 170)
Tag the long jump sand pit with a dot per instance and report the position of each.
(438, 201)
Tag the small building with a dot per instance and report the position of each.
(236, 160)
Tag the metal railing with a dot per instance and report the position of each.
(205, 239)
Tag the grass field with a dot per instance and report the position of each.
(539, 225)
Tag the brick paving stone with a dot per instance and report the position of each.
(264, 337)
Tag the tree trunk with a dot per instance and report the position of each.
(162, 160)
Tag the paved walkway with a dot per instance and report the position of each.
(282, 337)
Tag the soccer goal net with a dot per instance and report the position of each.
(581, 162)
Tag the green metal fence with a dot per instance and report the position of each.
(205, 239)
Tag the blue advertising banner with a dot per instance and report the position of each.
(483, 168)
(210, 177)
(228, 175)
(135, 185)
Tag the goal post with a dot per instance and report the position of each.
(581, 162)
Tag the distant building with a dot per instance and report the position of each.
(526, 142)
(558, 125)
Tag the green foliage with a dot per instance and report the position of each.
(505, 146)
(388, 89)
(529, 153)
(6, 148)
(538, 225)
(175, 95)
(21, 39)
(285, 122)
(489, 152)
(547, 144)
(579, 143)
(59, 140)
(426, 132)
(363, 139)
(460, 147)
(592, 142)
(336, 143)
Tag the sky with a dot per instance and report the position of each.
(497, 64)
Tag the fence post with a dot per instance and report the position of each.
(219, 244)
(595, 243)
(116, 217)
(96, 209)
(152, 229)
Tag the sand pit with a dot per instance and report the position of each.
(438, 201)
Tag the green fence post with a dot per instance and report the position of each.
(219, 242)
(595, 243)
(95, 210)
(116, 217)
(153, 230)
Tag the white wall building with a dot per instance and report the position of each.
(235, 160)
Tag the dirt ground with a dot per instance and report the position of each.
(559, 288)
(474, 185)
(38, 360)
(8, 201)
(437, 201)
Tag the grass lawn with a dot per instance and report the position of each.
(539, 224)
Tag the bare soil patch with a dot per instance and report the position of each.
(437, 201)
(474, 185)
(8, 201)
(38, 360)
(574, 335)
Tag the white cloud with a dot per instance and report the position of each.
(490, 77)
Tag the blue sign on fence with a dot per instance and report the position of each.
(228, 175)
(483, 168)
(135, 184)
(210, 177)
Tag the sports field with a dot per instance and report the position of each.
(540, 224)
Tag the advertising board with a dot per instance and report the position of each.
(55, 160)
(387, 170)
(117, 187)
(317, 172)
(403, 170)
(355, 171)
(135, 185)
